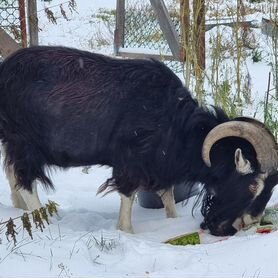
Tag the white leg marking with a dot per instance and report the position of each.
(31, 199)
(22, 198)
(168, 200)
(124, 222)
(17, 200)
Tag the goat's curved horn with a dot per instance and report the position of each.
(251, 130)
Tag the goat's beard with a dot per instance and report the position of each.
(207, 204)
(216, 217)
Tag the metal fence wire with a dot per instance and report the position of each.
(12, 19)
(142, 30)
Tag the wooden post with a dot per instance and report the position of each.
(32, 22)
(199, 33)
(22, 19)
(120, 25)
(167, 27)
(185, 27)
(7, 44)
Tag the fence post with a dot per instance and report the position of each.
(199, 33)
(22, 18)
(185, 26)
(32, 22)
(120, 25)
(167, 27)
(186, 49)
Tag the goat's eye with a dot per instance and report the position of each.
(253, 188)
(256, 187)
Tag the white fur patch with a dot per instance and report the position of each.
(22, 198)
(168, 200)
(246, 218)
(124, 221)
(238, 224)
(258, 187)
(31, 200)
(245, 221)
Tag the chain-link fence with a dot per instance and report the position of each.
(12, 19)
(142, 28)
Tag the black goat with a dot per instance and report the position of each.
(64, 107)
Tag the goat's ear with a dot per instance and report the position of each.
(243, 165)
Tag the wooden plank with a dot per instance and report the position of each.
(167, 27)
(120, 25)
(248, 23)
(141, 55)
(7, 44)
(32, 22)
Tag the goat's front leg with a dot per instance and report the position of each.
(124, 222)
(168, 200)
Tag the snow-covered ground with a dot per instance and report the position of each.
(69, 246)
(84, 241)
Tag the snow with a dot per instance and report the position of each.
(81, 30)
(139, 50)
(71, 246)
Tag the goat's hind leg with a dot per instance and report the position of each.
(168, 200)
(124, 221)
(21, 198)
(16, 197)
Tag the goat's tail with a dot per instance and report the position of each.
(108, 187)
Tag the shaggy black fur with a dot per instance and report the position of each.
(64, 107)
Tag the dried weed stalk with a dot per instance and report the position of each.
(39, 216)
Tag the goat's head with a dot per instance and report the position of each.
(243, 159)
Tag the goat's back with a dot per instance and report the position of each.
(79, 107)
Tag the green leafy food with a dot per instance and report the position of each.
(187, 239)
